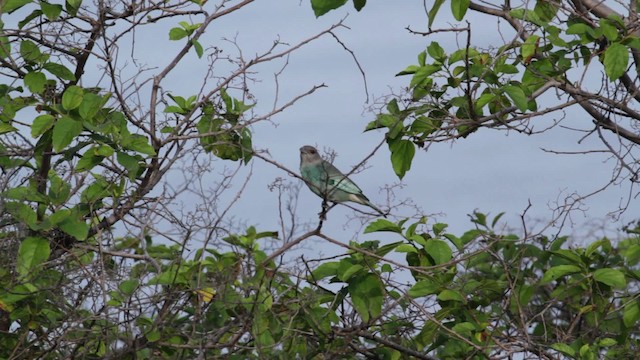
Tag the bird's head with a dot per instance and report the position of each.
(309, 154)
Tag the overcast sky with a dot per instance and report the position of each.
(491, 171)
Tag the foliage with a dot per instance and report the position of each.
(95, 256)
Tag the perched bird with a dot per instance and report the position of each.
(326, 181)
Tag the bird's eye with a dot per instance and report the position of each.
(312, 151)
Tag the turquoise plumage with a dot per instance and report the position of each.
(326, 181)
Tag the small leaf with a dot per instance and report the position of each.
(424, 288)
(631, 313)
(450, 295)
(51, 11)
(30, 51)
(75, 227)
(198, 47)
(60, 71)
(517, 96)
(35, 81)
(177, 33)
(73, 6)
(459, 8)
(359, 4)
(6, 128)
(130, 163)
(64, 131)
(616, 58)
(11, 5)
(564, 348)
(402, 152)
(383, 225)
(72, 97)
(612, 277)
(438, 250)
(434, 11)
(321, 7)
(32, 253)
(558, 272)
(367, 294)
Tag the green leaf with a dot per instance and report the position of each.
(60, 71)
(359, 4)
(321, 7)
(436, 51)
(402, 152)
(91, 105)
(88, 161)
(616, 59)
(424, 288)
(198, 47)
(73, 6)
(612, 277)
(558, 272)
(609, 29)
(325, 270)
(140, 144)
(177, 33)
(72, 97)
(564, 348)
(128, 287)
(5, 47)
(351, 270)
(529, 47)
(434, 11)
(631, 313)
(6, 128)
(517, 96)
(450, 295)
(545, 10)
(12, 5)
(35, 81)
(32, 253)
(75, 227)
(41, 124)
(130, 163)
(51, 11)
(64, 131)
(438, 250)
(459, 8)
(59, 191)
(367, 294)
(383, 225)
(30, 51)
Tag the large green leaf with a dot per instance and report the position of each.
(383, 225)
(367, 294)
(558, 272)
(402, 152)
(64, 131)
(60, 71)
(438, 250)
(32, 253)
(459, 8)
(41, 124)
(612, 277)
(35, 81)
(616, 59)
(72, 97)
(321, 7)
(75, 227)
(12, 5)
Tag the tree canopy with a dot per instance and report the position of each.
(96, 149)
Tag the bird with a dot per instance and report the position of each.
(326, 181)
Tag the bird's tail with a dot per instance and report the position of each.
(369, 204)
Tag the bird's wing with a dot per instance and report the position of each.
(339, 180)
